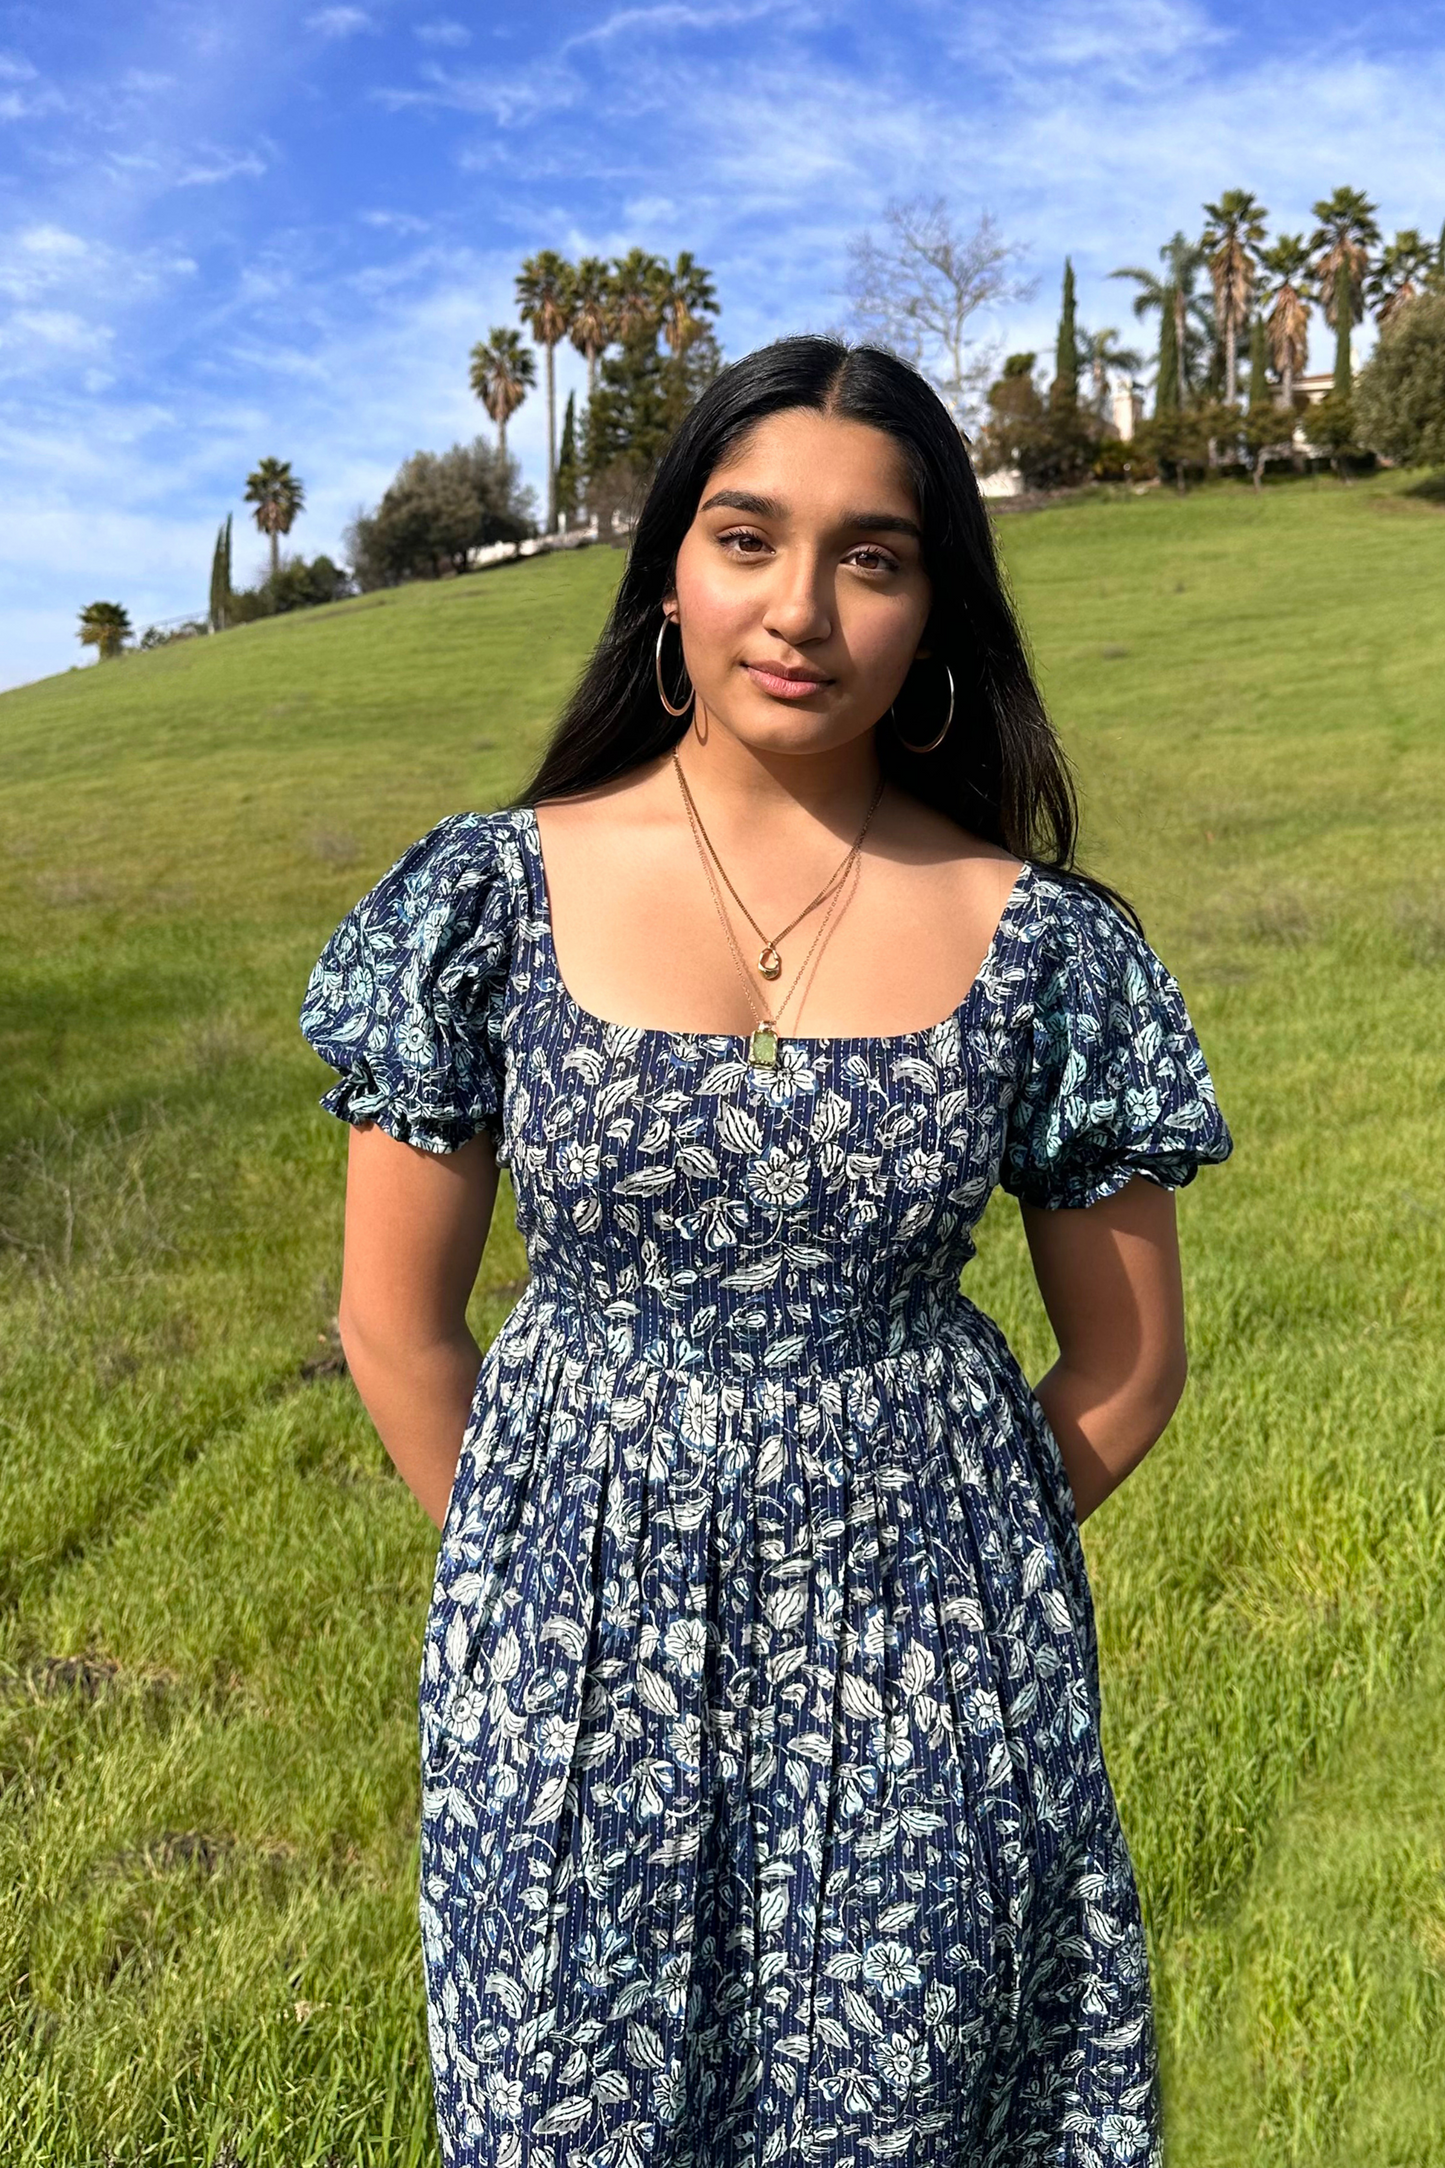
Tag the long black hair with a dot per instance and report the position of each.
(1000, 772)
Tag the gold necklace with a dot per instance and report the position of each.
(770, 961)
(763, 1044)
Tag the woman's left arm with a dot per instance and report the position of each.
(1110, 1280)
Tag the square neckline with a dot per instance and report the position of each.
(543, 898)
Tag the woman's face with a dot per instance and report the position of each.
(800, 588)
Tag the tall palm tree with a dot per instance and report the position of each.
(1102, 352)
(1174, 294)
(1231, 242)
(544, 301)
(1403, 267)
(1286, 327)
(686, 296)
(502, 372)
(591, 329)
(638, 286)
(279, 500)
(106, 626)
(1340, 246)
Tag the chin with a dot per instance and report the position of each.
(776, 726)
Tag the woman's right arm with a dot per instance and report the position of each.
(416, 1226)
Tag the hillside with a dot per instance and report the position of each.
(213, 1585)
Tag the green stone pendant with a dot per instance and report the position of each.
(763, 1048)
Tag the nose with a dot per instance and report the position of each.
(799, 603)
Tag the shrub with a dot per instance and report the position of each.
(441, 506)
(1051, 442)
(1400, 393)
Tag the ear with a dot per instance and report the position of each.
(669, 606)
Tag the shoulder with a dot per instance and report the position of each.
(463, 864)
(1073, 925)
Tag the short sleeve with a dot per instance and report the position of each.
(1114, 1082)
(406, 999)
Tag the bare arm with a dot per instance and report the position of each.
(416, 1226)
(1111, 1284)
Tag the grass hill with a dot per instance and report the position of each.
(212, 1586)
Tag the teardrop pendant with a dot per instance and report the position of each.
(763, 1048)
(770, 963)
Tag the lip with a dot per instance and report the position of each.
(783, 683)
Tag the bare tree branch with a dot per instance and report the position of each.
(916, 288)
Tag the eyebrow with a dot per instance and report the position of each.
(743, 500)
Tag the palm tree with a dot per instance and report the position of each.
(591, 329)
(1102, 352)
(544, 301)
(1286, 327)
(1403, 268)
(1173, 296)
(685, 295)
(1231, 242)
(502, 372)
(1341, 245)
(106, 626)
(279, 499)
(638, 288)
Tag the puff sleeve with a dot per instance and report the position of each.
(406, 999)
(1114, 1083)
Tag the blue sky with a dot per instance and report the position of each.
(233, 230)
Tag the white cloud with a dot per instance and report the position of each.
(442, 33)
(395, 222)
(207, 171)
(673, 15)
(339, 22)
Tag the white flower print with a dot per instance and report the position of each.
(578, 1162)
(504, 2096)
(793, 1073)
(779, 1177)
(920, 1169)
(686, 1643)
(555, 1738)
(901, 2062)
(414, 1043)
(892, 1967)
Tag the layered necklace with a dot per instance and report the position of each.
(765, 1041)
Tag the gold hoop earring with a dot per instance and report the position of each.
(657, 665)
(933, 743)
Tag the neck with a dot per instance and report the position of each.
(753, 787)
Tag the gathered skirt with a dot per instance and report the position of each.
(765, 1816)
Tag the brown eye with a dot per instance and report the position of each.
(878, 560)
(741, 535)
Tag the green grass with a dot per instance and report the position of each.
(209, 1820)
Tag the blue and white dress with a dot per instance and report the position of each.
(764, 1813)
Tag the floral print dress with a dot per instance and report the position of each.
(765, 1817)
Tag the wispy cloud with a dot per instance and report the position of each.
(395, 221)
(443, 32)
(339, 22)
(210, 171)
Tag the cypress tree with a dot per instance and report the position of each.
(221, 590)
(1259, 391)
(567, 460)
(1344, 321)
(1166, 390)
(1066, 359)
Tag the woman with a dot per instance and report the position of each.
(764, 1811)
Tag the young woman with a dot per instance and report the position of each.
(764, 1812)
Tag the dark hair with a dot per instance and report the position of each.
(1000, 772)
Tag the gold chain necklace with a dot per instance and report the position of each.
(764, 1042)
(770, 961)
